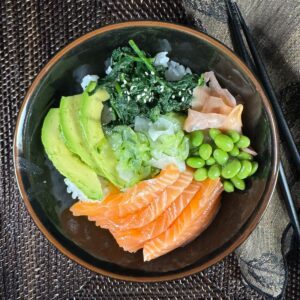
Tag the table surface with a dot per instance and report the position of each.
(31, 32)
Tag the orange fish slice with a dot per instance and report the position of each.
(134, 239)
(160, 202)
(135, 198)
(191, 222)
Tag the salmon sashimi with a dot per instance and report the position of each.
(198, 120)
(130, 201)
(134, 239)
(194, 219)
(160, 202)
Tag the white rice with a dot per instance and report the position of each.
(174, 70)
(161, 59)
(75, 192)
(87, 79)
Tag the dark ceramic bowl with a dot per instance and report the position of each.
(43, 189)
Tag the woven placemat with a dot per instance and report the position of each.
(31, 32)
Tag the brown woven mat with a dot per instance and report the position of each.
(31, 32)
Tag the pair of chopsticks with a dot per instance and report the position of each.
(238, 26)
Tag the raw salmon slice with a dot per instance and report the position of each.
(134, 199)
(160, 202)
(191, 222)
(134, 239)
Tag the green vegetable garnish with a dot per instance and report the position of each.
(141, 55)
(137, 88)
(201, 81)
(91, 86)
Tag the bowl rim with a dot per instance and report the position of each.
(253, 220)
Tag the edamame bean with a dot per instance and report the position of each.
(220, 156)
(205, 151)
(224, 142)
(200, 174)
(196, 138)
(214, 172)
(254, 167)
(235, 136)
(235, 151)
(228, 186)
(195, 162)
(213, 132)
(210, 161)
(231, 169)
(243, 142)
(245, 169)
(245, 155)
(238, 183)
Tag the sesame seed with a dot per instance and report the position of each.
(145, 89)
(152, 73)
(173, 96)
(143, 94)
(146, 73)
(182, 99)
(179, 94)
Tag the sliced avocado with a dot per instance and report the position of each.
(91, 107)
(71, 128)
(66, 162)
(90, 116)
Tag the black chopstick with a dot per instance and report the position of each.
(235, 29)
(282, 124)
(291, 208)
(290, 204)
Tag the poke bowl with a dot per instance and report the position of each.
(146, 151)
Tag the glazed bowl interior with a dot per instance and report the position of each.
(43, 189)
